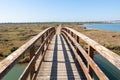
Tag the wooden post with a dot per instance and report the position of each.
(72, 34)
(49, 39)
(91, 54)
(46, 37)
(42, 39)
(77, 39)
(68, 31)
(32, 69)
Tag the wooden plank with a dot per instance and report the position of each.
(91, 54)
(79, 60)
(32, 68)
(11, 60)
(94, 66)
(34, 57)
(109, 55)
(46, 67)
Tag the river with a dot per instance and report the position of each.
(15, 72)
(110, 70)
(105, 27)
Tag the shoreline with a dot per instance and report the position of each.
(102, 27)
(108, 39)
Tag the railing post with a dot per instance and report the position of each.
(48, 33)
(32, 69)
(47, 39)
(91, 54)
(77, 39)
(69, 31)
(42, 50)
(72, 36)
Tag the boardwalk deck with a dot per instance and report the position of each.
(59, 62)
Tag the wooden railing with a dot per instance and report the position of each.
(43, 39)
(37, 47)
(73, 37)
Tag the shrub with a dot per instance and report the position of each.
(1, 54)
(13, 49)
(26, 59)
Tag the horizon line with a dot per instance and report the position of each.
(56, 21)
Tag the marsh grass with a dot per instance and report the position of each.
(12, 36)
(110, 40)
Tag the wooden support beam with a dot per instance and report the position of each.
(77, 39)
(42, 39)
(71, 33)
(91, 54)
(32, 69)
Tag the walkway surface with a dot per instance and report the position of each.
(59, 62)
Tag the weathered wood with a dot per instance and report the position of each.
(71, 33)
(109, 55)
(56, 54)
(79, 60)
(41, 59)
(46, 36)
(11, 60)
(91, 54)
(32, 69)
(42, 40)
(34, 58)
(77, 39)
(27, 70)
(72, 38)
(94, 66)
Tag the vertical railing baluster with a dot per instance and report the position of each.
(72, 36)
(46, 37)
(77, 39)
(42, 50)
(32, 69)
(48, 33)
(91, 54)
(69, 31)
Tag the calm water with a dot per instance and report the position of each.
(106, 27)
(15, 72)
(110, 70)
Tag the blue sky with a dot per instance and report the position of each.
(58, 10)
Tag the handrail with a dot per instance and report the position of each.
(79, 59)
(93, 46)
(109, 55)
(12, 59)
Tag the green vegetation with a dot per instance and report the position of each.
(12, 36)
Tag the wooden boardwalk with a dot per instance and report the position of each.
(54, 59)
(59, 62)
